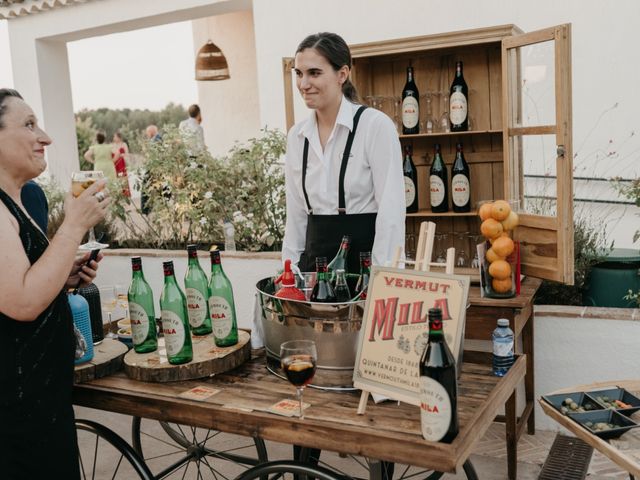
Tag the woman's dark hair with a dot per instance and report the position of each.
(100, 137)
(4, 94)
(332, 47)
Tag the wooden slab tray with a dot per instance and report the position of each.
(207, 360)
(107, 359)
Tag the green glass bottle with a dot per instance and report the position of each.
(197, 291)
(340, 260)
(222, 308)
(175, 323)
(141, 310)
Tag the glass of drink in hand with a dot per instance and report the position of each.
(298, 359)
(80, 181)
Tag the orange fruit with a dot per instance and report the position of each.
(500, 269)
(503, 234)
(503, 246)
(501, 286)
(485, 211)
(500, 210)
(492, 256)
(511, 221)
(491, 228)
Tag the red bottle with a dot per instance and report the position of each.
(289, 290)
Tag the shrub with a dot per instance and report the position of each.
(190, 197)
(590, 247)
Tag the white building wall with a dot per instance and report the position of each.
(230, 108)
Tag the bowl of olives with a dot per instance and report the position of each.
(604, 423)
(576, 402)
(617, 399)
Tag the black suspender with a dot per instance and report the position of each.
(343, 166)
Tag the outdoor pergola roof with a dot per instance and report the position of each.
(17, 8)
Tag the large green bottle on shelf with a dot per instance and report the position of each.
(175, 323)
(197, 290)
(460, 183)
(141, 310)
(459, 102)
(410, 181)
(438, 183)
(410, 105)
(222, 307)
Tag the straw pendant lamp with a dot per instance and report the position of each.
(211, 63)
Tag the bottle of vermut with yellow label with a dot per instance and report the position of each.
(175, 323)
(221, 305)
(197, 291)
(438, 385)
(141, 310)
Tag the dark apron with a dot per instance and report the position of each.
(324, 232)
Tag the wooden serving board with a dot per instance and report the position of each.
(207, 360)
(107, 359)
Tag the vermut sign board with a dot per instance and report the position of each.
(395, 328)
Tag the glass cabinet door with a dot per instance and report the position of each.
(537, 131)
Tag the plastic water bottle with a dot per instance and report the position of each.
(502, 348)
(229, 236)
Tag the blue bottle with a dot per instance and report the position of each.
(502, 348)
(82, 328)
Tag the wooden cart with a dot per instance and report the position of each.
(387, 431)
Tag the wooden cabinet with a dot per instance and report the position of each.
(500, 64)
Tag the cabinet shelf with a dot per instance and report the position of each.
(429, 213)
(448, 134)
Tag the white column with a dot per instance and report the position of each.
(41, 75)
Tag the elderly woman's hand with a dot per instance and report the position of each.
(89, 208)
(83, 273)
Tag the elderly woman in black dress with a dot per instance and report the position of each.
(37, 342)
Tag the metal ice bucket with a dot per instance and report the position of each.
(334, 327)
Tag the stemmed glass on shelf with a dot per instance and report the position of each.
(108, 302)
(80, 181)
(298, 360)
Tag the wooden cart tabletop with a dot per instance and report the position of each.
(624, 451)
(387, 431)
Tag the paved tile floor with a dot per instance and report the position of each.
(489, 458)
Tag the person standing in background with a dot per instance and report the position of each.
(192, 131)
(99, 154)
(152, 133)
(119, 152)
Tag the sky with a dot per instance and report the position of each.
(140, 69)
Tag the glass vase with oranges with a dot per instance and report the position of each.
(501, 258)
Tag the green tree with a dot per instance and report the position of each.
(85, 134)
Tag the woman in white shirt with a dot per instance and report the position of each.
(343, 171)
(343, 165)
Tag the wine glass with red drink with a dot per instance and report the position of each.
(298, 359)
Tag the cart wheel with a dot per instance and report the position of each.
(171, 450)
(104, 454)
(280, 469)
(352, 467)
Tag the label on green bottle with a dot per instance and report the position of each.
(196, 307)
(173, 330)
(221, 316)
(139, 323)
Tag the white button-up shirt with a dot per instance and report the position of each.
(373, 180)
(193, 134)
